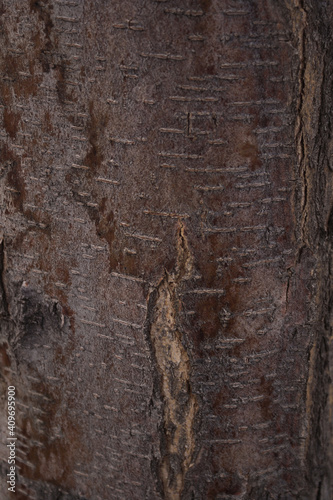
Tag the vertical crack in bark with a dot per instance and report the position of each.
(298, 16)
(173, 365)
(309, 91)
(311, 24)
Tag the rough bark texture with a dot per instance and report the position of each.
(165, 250)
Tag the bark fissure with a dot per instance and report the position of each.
(174, 369)
(299, 20)
(313, 35)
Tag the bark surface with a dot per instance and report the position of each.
(165, 248)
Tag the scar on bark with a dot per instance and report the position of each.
(174, 369)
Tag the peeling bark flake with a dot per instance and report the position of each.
(174, 368)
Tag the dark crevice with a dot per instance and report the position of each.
(156, 401)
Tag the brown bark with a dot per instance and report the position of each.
(165, 257)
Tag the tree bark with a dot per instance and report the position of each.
(165, 256)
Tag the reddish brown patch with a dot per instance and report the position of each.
(209, 272)
(205, 5)
(105, 223)
(250, 151)
(221, 398)
(130, 264)
(62, 91)
(53, 457)
(62, 273)
(15, 177)
(5, 360)
(43, 9)
(207, 316)
(96, 128)
(266, 387)
(229, 485)
(25, 87)
(71, 315)
(47, 123)
(12, 65)
(21, 86)
(11, 122)
(105, 227)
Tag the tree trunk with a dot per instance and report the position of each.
(165, 257)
